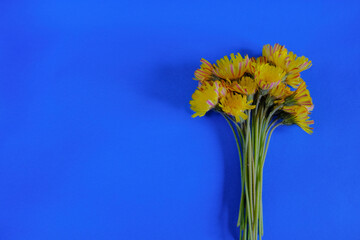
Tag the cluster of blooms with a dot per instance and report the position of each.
(232, 84)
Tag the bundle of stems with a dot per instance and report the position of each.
(252, 137)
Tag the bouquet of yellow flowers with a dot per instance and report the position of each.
(255, 96)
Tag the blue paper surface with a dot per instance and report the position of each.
(96, 138)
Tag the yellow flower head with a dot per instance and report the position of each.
(254, 62)
(293, 79)
(233, 68)
(299, 115)
(300, 97)
(206, 97)
(280, 92)
(205, 71)
(293, 65)
(270, 52)
(246, 86)
(235, 105)
(268, 77)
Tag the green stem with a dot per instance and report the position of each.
(238, 143)
(248, 176)
(268, 141)
(235, 136)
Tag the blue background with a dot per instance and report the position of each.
(96, 138)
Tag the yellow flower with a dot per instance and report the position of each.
(246, 86)
(269, 51)
(206, 97)
(235, 105)
(268, 77)
(205, 71)
(299, 115)
(293, 65)
(254, 62)
(300, 97)
(293, 79)
(280, 92)
(233, 68)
